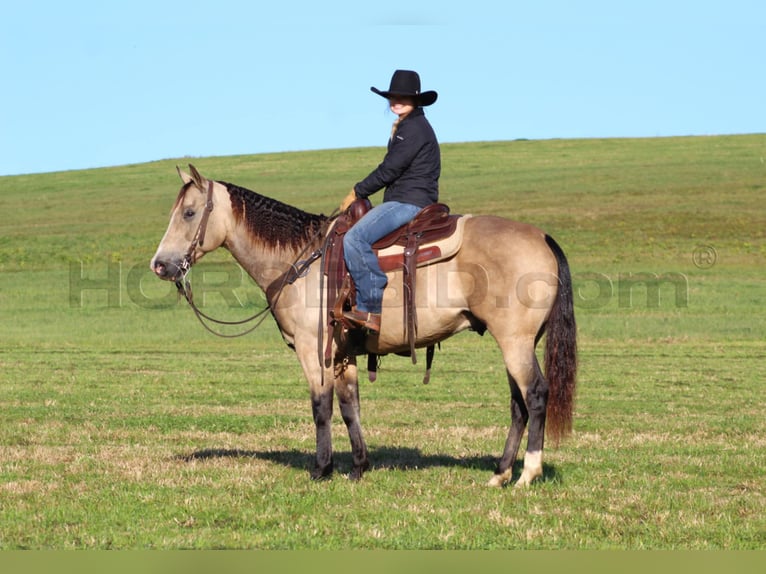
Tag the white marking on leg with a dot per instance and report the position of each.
(533, 467)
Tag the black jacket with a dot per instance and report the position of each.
(411, 168)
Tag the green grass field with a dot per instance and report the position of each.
(123, 424)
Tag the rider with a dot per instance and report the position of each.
(410, 173)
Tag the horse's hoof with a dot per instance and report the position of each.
(500, 478)
(321, 473)
(496, 481)
(524, 482)
(358, 471)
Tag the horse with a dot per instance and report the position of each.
(508, 278)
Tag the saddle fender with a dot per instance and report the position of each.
(432, 236)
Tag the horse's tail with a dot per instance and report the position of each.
(561, 352)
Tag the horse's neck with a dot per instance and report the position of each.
(262, 263)
(267, 237)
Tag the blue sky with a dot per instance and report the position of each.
(93, 84)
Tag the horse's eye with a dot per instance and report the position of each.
(188, 213)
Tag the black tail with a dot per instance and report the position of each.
(561, 352)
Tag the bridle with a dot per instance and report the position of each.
(199, 235)
(184, 285)
(297, 270)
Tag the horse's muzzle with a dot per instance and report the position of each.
(167, 270)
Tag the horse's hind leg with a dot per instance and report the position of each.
(519, 417)
(537, 402)
(529, 393)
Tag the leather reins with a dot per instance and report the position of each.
(297, 270)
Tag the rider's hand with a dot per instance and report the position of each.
(348, 200)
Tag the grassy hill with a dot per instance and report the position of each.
(111, 393)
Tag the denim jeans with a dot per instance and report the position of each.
(360, 259)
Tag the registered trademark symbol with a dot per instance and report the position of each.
(704, 256)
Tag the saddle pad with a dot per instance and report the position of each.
(438, 250)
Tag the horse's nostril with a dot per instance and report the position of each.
(160, 268)
(167, 270)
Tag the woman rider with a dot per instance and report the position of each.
(410, 173)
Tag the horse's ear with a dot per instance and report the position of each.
(185, 177)
(196, 177)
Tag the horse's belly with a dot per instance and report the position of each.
(440, 304)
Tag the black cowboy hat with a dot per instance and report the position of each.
(407, 83)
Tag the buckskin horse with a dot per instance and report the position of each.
(508, 278)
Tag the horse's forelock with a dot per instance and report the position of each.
(181, 194)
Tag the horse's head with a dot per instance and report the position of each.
(196, 227)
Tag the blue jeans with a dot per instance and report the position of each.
(360, 259)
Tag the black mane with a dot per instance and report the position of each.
(273, 222)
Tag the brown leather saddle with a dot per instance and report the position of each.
(417, 238)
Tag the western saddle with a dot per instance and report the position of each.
(418, 244)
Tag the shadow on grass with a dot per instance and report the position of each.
(381, 459)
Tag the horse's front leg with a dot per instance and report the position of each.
(321, 389)
(347, 390)
(321, 407)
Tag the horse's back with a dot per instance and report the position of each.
(493, 238)
(514, 273)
